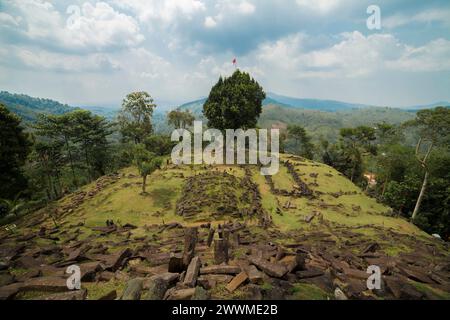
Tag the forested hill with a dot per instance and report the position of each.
(318, 123)
(29, 107)
(327, 124)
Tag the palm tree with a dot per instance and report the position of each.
(14, 206)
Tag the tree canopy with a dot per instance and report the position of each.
(180, 119)
(234, 102)
(135, 117)
(14, 148)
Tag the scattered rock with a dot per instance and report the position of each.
(10, 291)
(28, 275)
(158, 284)
(181, 294)
(200, 294)
(222, 269)
(190, 240)
(311, 273)
(210, 281)
(114, 262)
(371, 248)
(112, 295)
(71, 295)
(220, 251)
(89, 270)
(176, 264)
(237, 281)
(210, 237)
(339, 295)
(133, 290)
(190, 278)
(3, 266)
(252, 292)
(276, 270)
(254, 275)
(5, 279)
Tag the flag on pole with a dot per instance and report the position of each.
(234, 61)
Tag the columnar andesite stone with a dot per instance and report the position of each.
(190, 240)
(191, 276)
(220, 251)
(210, 236)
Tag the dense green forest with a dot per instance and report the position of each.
(29, 108)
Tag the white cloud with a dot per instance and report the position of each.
(427, 16)
(434, 56)
(245, 7)
(6, 19)
(322, 6)
(91, 27)
(210, 22)
(355, 55)
(44, 60)
(142, 63)
(228, 9)
(166, 11)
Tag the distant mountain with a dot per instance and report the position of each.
(312, 104)
(196, 107)
(315, 104)
(29, 107)
(108, 112)
(279, 100)
(318, 119)
(429, 106)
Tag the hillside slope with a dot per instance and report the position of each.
(307, 229)
(327, 124)
(28, 108)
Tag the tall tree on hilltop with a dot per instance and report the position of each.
(135, 118)
(434, 126)
(234, 102)
(14, 148)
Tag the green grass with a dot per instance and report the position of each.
(96, 290)
(220, 292)
(434, 292)
(266, 286)
(306, 291)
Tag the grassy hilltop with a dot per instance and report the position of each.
(123, 201)
(307, 207)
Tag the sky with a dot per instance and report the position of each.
(95, 52)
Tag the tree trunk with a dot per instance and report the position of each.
(419, 199)
(423, 163)
(384, 187)
(71, 161)
(144, 182)
(88, 166)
